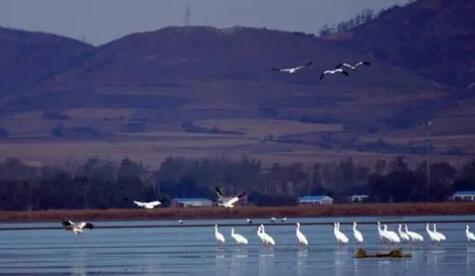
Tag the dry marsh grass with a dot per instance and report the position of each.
(264, 127)
(336, 210)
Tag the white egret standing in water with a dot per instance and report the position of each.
(219, 236)
(391, 235)
(340, 237)
(432, 235)
(300, 236)
(404, 236)
(357, 234)
(470, 236)
(414, 236)
(268, 239)
(439, 234)
(240, 239)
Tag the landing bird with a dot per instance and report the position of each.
(357, 234)
(414, 236)
(228, 202)
(404, 236)
(240, 239)
(76, 228)
(470, 236)
(340, 237)
(145, 205)
(300, 236)
(292, 70)
(334, 71)
(219, 237)
(353, 67)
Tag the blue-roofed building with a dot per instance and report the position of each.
(315, 199)
(464, 196)
(192, 202)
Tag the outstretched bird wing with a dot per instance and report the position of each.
(241, 195)
(235, 199)
(127, 199)
(67, 224)
(363, 63)
(86, 225)
(140, 204)
(231, 202)
(292, 69)
(338, 70)
(341, 65)
(302, 66)
(219, 193)
(155, 203)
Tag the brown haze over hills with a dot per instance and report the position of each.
(201, 91)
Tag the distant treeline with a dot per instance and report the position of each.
(103, 184)
(361, 18)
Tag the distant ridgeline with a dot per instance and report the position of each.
(103, 184)
(213, 91)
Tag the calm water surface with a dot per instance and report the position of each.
(182, 250)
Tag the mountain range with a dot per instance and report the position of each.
(201, 91)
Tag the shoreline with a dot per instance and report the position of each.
(334, 210)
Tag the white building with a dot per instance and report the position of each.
(358, 198)
(464, 196)
(315, 199)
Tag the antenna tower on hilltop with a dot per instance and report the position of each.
(187, 16)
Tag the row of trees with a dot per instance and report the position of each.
(361, 18)
(104, 184)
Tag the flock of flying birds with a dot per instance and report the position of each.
(339, 69)
(222, 200)
(385, 235)
(230, 201)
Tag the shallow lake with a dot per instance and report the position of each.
(167, 248)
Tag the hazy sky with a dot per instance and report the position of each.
(100, 21)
